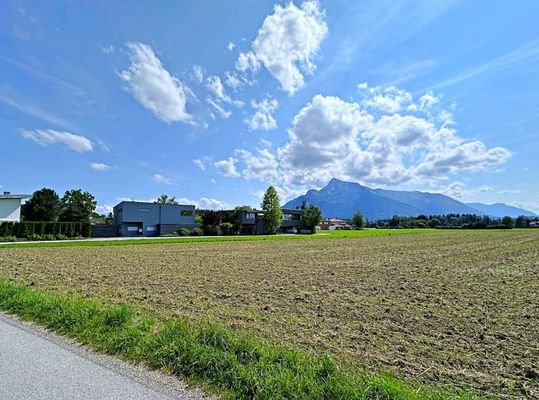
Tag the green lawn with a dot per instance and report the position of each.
(319, 235)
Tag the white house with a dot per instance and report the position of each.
(10, 206)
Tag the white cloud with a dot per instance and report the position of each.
(227, 167)
(331, 137)
(247, 62)
(198, 73)
(153, 86)
(162, 180)
(232, 80)
(200, 163)
(385, 99)
(45, 137)
(215, 86)
(206, 203)
(231, 46)
(104, 209)
(219, 96)
(107, 49)
(262, 166)
(286, 44)
(99, 166)
(263, 118)
(217, 106)
(461, 191)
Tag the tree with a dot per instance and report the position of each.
(272, 210)
(394, 221)
(77, 206)
(164, 199)
(522, 221)
(508, 222)
(44, 205)
(312, 217)
(243, 208)
(210, 222)
(358, 220)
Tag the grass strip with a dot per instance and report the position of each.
(212, 239)
(230, 364)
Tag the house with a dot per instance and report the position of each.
(251, 222)
(135, 218)
(10, 206)
(334, 224)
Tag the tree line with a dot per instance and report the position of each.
(46, 205)
(462, 221)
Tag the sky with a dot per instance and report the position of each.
(213, 101)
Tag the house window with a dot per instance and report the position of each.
(287, 217)
(186, 213)
(144, 210)
(250, 216)
(151, 229)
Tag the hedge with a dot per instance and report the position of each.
(28, 229)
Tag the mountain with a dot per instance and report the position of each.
(341, 199)
(500, 210)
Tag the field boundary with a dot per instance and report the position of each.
(223, 361)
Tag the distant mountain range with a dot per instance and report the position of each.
(341, 199)
(501, 210)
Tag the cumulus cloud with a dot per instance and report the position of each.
(99, 166)
(206, 203)
(385, 99)
(153, 86)
(227, 167)
(359, 141)
(46, 137)
(232, 80)
(263, 118)
(162, 180)
(286, 44)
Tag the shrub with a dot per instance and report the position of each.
(32, 230)
(183, 232)
(8, 239)
(228, 228)
(196, 232)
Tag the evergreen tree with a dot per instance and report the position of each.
(358, 221)
(272, 210)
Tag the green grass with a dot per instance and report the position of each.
(225, 362)
(173, 240)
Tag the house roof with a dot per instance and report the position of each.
(15, 196)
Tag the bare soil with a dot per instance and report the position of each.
(448, 308)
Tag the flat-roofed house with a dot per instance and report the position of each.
(136, 218)
(10, 206)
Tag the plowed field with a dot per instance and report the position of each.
(449, 308)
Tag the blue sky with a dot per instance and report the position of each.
(212, 103)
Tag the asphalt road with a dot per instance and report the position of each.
(35, 364)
